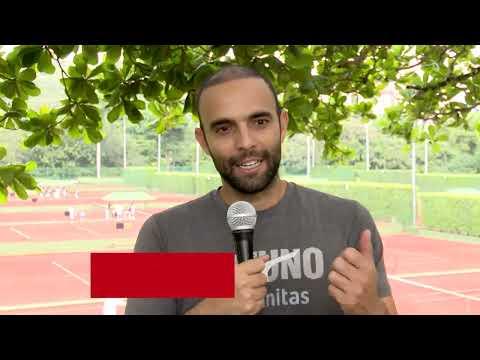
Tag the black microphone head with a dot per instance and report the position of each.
(241, 215)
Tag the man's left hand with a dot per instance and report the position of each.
(353, 280)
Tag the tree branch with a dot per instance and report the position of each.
(57, 59)
(447, 81)
(437, 115)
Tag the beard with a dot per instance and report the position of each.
(250, 184)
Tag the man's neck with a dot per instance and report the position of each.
(263, 200)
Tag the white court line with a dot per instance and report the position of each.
(88, 230)
(71, 273)
(50, 305)
(21, 233)
(429, 298)
(439, 273)
(434, 288)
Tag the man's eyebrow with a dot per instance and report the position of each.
(218, 122)
(259, 114)
(225, 121)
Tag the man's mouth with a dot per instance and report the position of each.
(250, 164)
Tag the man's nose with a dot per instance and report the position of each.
(245, 139)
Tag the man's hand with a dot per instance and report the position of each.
(353, 280)
(250, 292)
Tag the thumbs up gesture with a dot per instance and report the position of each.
(353, 279)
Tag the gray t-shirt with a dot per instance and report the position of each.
(320, 225)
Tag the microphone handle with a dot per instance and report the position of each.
(243, 244)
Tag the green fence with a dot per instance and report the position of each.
(454, 213)
(433, 182)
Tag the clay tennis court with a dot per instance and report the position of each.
(428, 276)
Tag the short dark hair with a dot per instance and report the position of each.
(233, 72)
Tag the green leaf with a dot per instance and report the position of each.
(151, 90)
(57, 140)
(139, 104)
(27, 181)
(301, 107)
(220, 50)
(94, 135)
(34, 139)
(78, 88)
(30, 88)
(414, 134)
(4, 106)
(3, 194)
(174, 94)
(152, 107)
(3, 152)
(63, 50)
(113, 54)
(80, 64)
(27, 75)
(30, 166)
(442, 137)
(19, 104)
(91, 53)
(98, 70)
(45, 63)
(75, 133)
(48, 138)
(4, 68)
(30, 55)
(19, 189)
(91, 94)
(91, 112)
(201, 74)
(134, 115)
(115, 113)
(436, 148)
(9, 88)
(406, 148)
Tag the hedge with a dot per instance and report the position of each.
(455, 213)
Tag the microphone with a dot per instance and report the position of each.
(242, 217)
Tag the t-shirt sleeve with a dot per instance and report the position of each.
(364, 221)
(150, 239)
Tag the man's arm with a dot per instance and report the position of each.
(358, 279)
(390, 305)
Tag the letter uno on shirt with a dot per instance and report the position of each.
(308, 263)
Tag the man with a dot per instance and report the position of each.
(339, 268)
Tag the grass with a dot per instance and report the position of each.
(386, 229)
(68, 246)
(116, 180)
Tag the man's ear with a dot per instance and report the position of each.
(283, 124)
(200, 136)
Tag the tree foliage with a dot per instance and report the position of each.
(316, 84)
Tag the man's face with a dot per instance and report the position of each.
(241, 133)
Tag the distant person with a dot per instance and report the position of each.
(108, 210)
(71, 213)
(119, 212)
(131, 211)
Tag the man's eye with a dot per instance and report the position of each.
(222, 129)
(262, 121)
